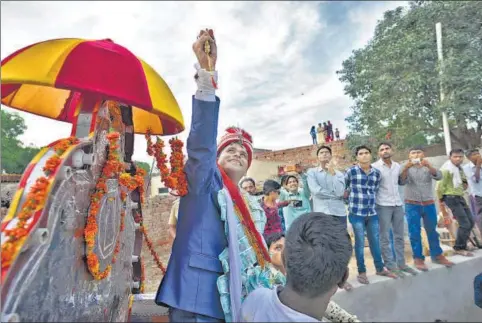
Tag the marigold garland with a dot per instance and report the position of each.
(35, 201)
(131, 302)
(112, 169)
(175, 179)
(152, 251)
(143, 277)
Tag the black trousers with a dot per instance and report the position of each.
(462, 214)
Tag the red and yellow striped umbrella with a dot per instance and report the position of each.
(45, 78)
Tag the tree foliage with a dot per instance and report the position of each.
(395, 82)
(14, 155)
(145, 166)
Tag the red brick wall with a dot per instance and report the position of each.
(155, 213)
(306, 155)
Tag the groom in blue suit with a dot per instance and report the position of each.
(189, 287)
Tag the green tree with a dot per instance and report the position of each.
(14, 155)
(395, 81)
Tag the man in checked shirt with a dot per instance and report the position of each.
(362, 183)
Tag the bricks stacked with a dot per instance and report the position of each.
(155, 217)
(306, 155)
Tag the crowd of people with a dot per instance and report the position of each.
(279, 256)
(324, 133)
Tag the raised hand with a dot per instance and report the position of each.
(425, 163)
(207, 62)
(409, 164)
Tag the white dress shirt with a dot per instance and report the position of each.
(388, 193)
(474, 188)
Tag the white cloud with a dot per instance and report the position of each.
(261, 57)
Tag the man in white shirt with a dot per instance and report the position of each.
(473, 173)
(389, 207)
(316, 255)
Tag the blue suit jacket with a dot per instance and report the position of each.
(194, 267)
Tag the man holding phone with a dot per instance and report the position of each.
(299, 197)
(417, 176)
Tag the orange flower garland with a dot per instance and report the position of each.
(143, 278)
(152, 251)
(35, 201)
(177, 166)
(133, 182)
(174, 179)
(129, 312)
(112, 168)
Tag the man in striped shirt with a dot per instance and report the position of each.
(362, 183)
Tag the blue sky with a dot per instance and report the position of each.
(269, 54)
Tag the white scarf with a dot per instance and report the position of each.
(455, 171)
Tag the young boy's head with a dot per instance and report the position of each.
(316, 255)
(276, 246)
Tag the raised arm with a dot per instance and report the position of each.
(306, 186)
(334, 185)
(201, 143)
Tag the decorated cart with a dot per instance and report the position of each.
(72, 239)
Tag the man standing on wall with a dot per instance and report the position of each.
(327, 188)
(474, 178)
(362, 183)
(390, 211)
(450, 191)
(417, 176)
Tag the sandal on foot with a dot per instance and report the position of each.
(363, 279)
(398, 272)
(409, 270)
(387, 273)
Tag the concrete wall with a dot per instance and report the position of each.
(440, 293)
(261, 170)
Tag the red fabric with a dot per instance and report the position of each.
(68, 110)
(169, 126)
(108, 69)
(273, 220)
(8, 89)
(235, 134)
(247, 221)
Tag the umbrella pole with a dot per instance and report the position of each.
(84, 115)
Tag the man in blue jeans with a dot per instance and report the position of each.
(362, 183)
(417, 176)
